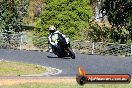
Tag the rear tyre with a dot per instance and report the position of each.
(71, 53)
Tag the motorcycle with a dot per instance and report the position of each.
(62, 48)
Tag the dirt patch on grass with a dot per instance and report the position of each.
(47, 80)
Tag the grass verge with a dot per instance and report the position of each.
(19, 68)
(69, 85)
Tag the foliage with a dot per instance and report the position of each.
(40, 42)
(96, 33)
(119, 12)
(12, 13)
(68, 16)
(107, 34)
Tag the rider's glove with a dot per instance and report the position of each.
(55, 45)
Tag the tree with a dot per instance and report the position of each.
(12, 13)
(69, 16)
(119, 12)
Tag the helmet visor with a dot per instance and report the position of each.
(51, 31)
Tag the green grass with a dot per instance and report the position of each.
(16, 68)
(41, 85)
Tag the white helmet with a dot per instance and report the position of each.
(52, 29)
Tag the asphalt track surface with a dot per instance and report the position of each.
(93, 64)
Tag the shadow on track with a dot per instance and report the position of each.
(58, 57)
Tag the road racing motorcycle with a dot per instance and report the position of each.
(62, 47)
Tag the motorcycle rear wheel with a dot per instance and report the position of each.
(71, 53)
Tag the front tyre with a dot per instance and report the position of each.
(71, 53)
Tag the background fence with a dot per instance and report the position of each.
(100, 48)
(26, 42)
